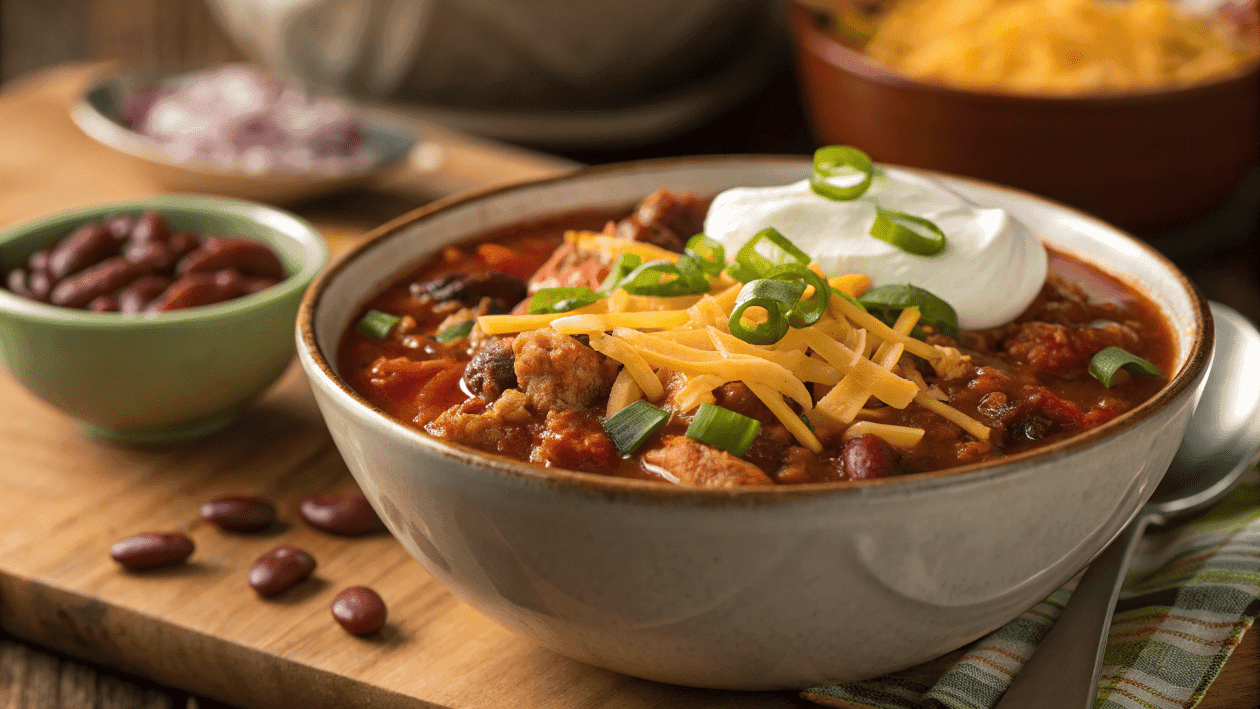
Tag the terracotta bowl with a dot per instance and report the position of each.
(1144, 161)
(749, 589)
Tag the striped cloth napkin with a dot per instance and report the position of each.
(1191, 594)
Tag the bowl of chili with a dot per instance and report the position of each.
(212, 286)
(727, 569)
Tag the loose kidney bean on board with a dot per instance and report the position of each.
(279, 570)
(102, 279)
(88, 245)
(348, 514)
(219, 252)
(359, 610)
(150, 550)
(239, 513)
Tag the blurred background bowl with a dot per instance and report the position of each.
(485, 53)
(100, 114)
(1145, 161)
(167, 377)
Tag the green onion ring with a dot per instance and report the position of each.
(561, 300)
(376, 324)
(708, 252)
(1108, 361)
(804, 313)
(724, 429)
(914, 235)
(895, 297)
(765, 250)
(840, 161)
(631, 426)
(626, 263)
(646, 280)
(777, 298)
(456, 331)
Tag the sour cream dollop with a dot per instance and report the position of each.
(992, 267)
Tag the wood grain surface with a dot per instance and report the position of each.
(198, 626)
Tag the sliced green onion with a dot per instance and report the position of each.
(804, 313)
(914, 235)
(891, 299)
(662, 279)
(631, 426)
(777, 298)
(561, 300)
(849, 298)
(376, 324)
(841, 161)
(767, 249)
(692, 270)
(724, 429)
(454, 332)
(808, 424)
(1105, 364)
(624, 266)
(709, 253)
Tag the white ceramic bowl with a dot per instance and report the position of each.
(747, 589)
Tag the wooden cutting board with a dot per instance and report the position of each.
(199, 627)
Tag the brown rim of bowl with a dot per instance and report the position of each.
(853, 61)
(1195, 363)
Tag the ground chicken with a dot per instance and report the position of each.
(696, 463)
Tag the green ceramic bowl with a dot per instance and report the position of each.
(159, 377)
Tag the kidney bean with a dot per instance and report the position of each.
(89, 244)
(254, 285)
(181, 244)
(868, 456)
(195, 289)
(359, 610)
(220, 252)
(348, 515)
(40, 284)
(16, 283)
(149, 550)
(238, 513)
(153, 253)
(104, 304)
(150, 227)
(101, 279)
(279, 570)
(139, 293)
(120, 226)
(38, 261)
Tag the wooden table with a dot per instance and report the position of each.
(197, 627)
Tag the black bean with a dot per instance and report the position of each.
(470, 288)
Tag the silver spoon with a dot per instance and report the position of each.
(1221, 443)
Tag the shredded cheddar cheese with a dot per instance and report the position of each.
(686, 341)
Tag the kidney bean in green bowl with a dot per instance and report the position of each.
(158, 377)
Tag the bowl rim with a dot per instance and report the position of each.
(314, 255)
(321, 373)
(811, 39)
